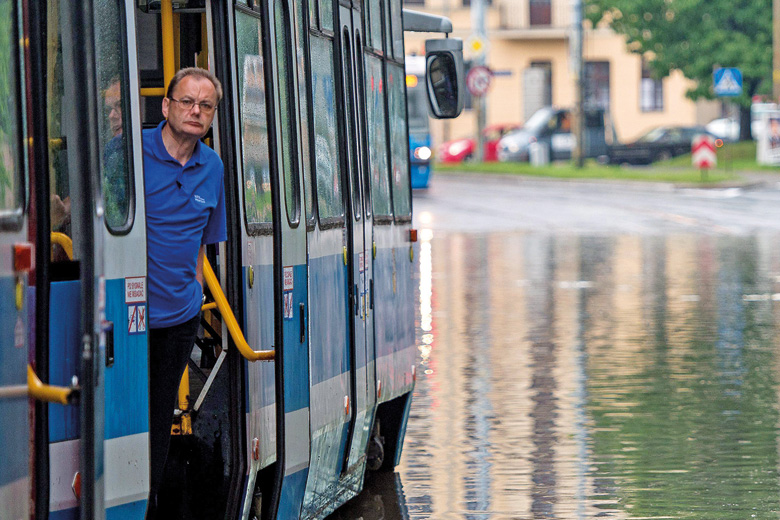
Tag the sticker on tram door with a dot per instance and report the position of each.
(136, 319)
(288, 305)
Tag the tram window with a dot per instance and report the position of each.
(254, 121)
(350, 124)
(56, 108)
(377, 137)
(388, 32)
(11, 171)
(287, 135)
(326, 15)
(113, 128)
(399, 141)
(313, 13)
(300, 31)
(397, 27)
(374, 24)
(330, 202)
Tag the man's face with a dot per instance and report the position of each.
(114, 108)
(193, 121)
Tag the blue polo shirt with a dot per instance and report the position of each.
(185, 208)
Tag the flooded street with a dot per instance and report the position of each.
(591, 375)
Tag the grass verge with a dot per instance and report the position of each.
(592, 170)
(732, 158)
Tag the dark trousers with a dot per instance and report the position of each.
(169, 350)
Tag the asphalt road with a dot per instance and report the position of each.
(483, 203)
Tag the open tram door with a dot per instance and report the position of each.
(359, 228)
(206, 471)
(15, 265)
(90, 455)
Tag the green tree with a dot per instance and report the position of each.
(695, 36)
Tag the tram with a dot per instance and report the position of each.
(302, 376)
(420, 155)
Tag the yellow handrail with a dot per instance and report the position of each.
(153, 91)
(230, 320)
(64, 241)
(48, 393)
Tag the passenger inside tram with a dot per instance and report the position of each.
(114, 176)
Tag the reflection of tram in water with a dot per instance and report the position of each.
(303, 373)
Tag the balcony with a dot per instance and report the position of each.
(534, 19)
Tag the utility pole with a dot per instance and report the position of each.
(578, 70)
(776, 51)
(478, 28)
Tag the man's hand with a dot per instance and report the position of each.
(199, 267)
(60, 211)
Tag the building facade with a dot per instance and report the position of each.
(527, 46)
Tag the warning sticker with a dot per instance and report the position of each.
(135, 289)
(136, 319)
(361, 262)
(288, 305)
(288, 279)
(19, 333)
(101, 293)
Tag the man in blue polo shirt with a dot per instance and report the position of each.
(185, 211)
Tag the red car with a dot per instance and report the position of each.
(460, 150)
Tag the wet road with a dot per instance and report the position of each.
(603, 353)
(505, 203)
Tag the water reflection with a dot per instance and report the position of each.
(594, 377)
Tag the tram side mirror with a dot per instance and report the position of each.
(444, 77)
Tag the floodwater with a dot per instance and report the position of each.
(571, 377)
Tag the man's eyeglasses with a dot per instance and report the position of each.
(187, 104)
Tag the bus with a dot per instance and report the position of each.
(302, 375)
(420, 154)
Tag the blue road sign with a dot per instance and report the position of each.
(727, 81)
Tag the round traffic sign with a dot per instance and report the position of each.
(478, 80)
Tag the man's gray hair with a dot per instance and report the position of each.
(194, 71)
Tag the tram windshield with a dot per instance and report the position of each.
(418, 104)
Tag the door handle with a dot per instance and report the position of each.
(301, 310)
(108, 329)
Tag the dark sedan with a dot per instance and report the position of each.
(659, 144)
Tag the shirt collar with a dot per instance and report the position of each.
(162, 153)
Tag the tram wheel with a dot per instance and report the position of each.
(376, 449)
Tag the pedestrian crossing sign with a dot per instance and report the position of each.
(727, 81)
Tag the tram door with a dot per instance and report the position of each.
(91, 457)
(275, 278)
(14, 266)
(75, 310)
(359, 233)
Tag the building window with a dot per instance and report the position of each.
(651, 91)
(597, 84)
(467, 3)
(540, 12)
(547, 93)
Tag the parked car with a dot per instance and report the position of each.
(727, 128)
(551, 129)
(459, 150)
(659, 144)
